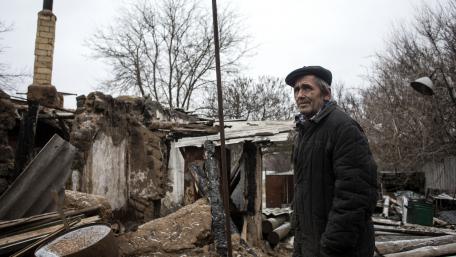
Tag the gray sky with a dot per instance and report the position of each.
(341, 35)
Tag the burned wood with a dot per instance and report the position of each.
(250, 151)
(279, 233)
(406, 245)
(26, 139)
(200, 179)
(270, 224)
(215, 199)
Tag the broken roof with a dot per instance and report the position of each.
(240, 131)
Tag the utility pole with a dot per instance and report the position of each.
(223, 170)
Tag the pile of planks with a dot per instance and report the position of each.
(433, 241)
(21, 236)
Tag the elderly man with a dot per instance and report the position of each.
(335, 174)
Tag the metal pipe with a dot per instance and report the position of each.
(47, 5)
(223, 170)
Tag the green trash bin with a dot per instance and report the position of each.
(420, 212)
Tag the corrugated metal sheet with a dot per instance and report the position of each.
(30, 194)
(236, 132)
(276, 211)
(441, 175)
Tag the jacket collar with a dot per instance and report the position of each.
(301, 119)
(324, 112)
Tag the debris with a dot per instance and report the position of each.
(51, 167)
(406, 245)
(91, 240)
(187, 228)
(25, 238)
(80, 201)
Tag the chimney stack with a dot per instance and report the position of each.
(41, 90)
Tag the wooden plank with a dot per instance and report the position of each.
(40, 232)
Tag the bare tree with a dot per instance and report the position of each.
(7, 77)
(404, 127)
(165, 49)
(267, 98)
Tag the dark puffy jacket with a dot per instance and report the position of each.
(335, 187)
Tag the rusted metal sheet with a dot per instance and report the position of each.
(31, 192)
(279, 190)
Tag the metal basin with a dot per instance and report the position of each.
(90, 240)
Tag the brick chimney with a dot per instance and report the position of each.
(41, 90)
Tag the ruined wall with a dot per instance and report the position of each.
(8, 117)
(120, 157)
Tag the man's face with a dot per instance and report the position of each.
(308, 95)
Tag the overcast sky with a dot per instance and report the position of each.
(341, 35)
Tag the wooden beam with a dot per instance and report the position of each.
(428, 251)
(407, 245)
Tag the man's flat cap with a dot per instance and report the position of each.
(317, 71)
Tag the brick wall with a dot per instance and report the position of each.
(44, 48)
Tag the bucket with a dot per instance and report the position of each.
(84, 241)
(420, 212)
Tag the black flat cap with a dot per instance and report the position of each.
(317, 71)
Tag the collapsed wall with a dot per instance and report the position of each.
(119, 157)
(8, 115)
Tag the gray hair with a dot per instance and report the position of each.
(324, 86)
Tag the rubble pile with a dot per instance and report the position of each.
(185, 229)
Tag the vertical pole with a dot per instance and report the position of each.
(224, 175)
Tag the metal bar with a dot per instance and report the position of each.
(47, 5)
(223, 170)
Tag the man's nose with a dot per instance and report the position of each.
(302, 93)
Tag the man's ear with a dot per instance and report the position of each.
(327, 96)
